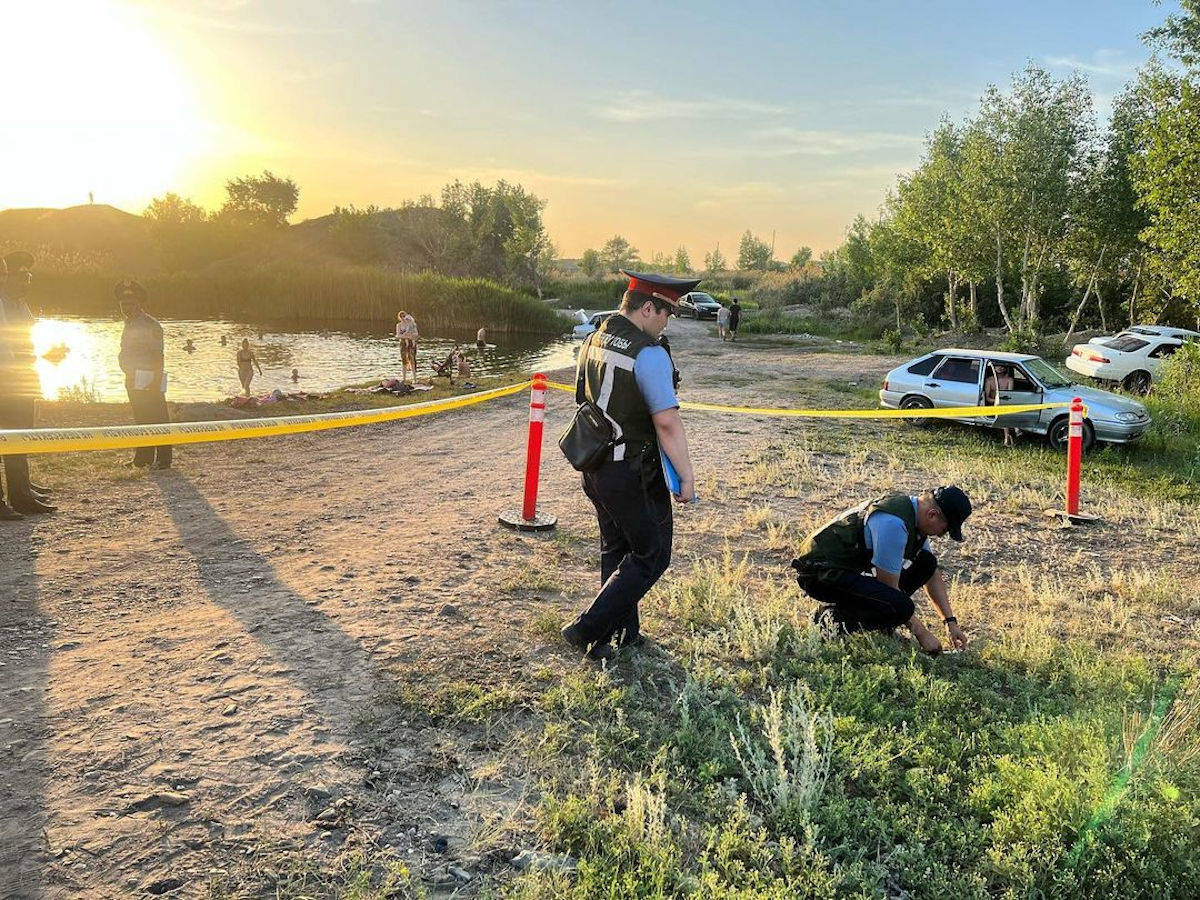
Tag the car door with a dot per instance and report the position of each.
(1025, 390)
(1155, 357)
(956, 382)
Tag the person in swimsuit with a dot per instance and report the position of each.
(247, 362)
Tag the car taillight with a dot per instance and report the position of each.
(885, 384)
(1096, 357)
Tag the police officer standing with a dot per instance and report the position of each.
(141, 359)
(881, 536)
(625, 371)
(18, 383)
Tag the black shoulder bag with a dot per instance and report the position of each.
(589, 440)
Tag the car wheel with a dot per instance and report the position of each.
(1060, 431)
(1137, 382)
(917, 402)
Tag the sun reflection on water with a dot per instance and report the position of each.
(66, 359)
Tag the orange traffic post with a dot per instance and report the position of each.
(1074, 455)
(1074, 466)
(528, 518)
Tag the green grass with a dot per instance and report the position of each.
(858, 769)
(274, 291)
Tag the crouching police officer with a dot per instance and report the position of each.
(884, 534)
(626, 372)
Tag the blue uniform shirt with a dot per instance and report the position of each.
(885, 536)
(655, 377)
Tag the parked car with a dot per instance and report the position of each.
(1131, 358)
(955, 377)
(594, 321)
(698, 305)
(1153, 331)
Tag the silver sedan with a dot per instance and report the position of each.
(956, 377)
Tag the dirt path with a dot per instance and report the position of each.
(184, 657)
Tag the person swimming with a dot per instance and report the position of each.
(295, 375)
(188, 346)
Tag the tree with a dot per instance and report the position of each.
(178, 228)
(617, 253)
(753, 254)
(1166, 169)
(260, 201)
(1022, 160)
(591, 264)
(358, 234)
(801, 258)
(715, 261)
(683, 262)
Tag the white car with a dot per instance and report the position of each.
(1132, 357)
(1154, 331)
(583, 329)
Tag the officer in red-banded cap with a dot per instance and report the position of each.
(18, 382)
(626, 372)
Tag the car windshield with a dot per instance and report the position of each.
(1045, 373)
(701, 298)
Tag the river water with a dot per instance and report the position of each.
(78, 356)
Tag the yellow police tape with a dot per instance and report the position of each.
(118, 437)
(61, 440)
(945, 412)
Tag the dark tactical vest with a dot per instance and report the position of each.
(605, 377)
(841, 546)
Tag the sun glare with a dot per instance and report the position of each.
(96, 103)
(66, 358)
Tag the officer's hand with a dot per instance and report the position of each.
(687, 490)
(929, 642)
(958, 637)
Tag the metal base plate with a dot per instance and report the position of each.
(511, 518)
(1072, 518)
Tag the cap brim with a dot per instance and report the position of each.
(955, 532)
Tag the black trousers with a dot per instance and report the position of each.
(863, 602)
(633, 508)
(16, 412)
(149, 408)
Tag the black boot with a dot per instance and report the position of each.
(31, 506)
(574, 636)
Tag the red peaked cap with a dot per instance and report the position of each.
(664, 287)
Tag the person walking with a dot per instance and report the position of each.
(723, 322)
(627, 374)
(247, 362)
(141, 359)
(735, 318)
(863, 567)
(18, 383)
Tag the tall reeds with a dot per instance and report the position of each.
(283, 291)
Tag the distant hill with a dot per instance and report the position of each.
(94, 230)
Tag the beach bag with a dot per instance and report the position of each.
(589, 439)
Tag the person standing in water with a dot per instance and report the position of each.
(481, 338)
(247, 362)
(406, 334)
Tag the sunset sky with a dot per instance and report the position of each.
(667, 123)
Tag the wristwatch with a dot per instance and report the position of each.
(949, 619)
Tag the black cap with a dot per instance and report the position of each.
(18, 260)
(664, 287)
(129, 290)
(955, 506)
